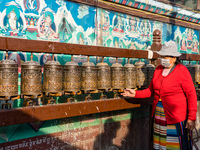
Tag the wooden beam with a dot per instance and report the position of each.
(64, 110)
(190, 57)
(15, 44)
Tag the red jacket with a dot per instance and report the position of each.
(176, 91)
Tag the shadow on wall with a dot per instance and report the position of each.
(104, 141)
(101, 131)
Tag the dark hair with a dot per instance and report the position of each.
(177, 60)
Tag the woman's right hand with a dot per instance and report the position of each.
(129, 92)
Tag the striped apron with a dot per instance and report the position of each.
(169, 136)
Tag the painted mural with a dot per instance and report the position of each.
(81, 24)
(158, 7)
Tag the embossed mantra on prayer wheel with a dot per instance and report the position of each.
(88, 76)
(117, 76)
(53, 73)
(8, 78)
(140, 73)
(103, 76)
(72, 77)
(130, 75)
(31, 76)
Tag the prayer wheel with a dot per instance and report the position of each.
(53, 73)
(8, 77)
(103, 76)
(117, 76)
(88, 77)
(150, 68)
(197, 73)
(72, 77)
(191, 69)
(130, 75)
(31, 78)
(140, 73)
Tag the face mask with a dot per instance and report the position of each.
(165, 63)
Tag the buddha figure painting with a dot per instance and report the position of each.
(13, 23)
(105, 25)
(132, 25)
(183, 43)
(47, 27)
(118, 26)
(195, 47)
(189, 39)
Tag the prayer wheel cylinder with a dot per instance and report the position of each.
(117, 76)
(150, 68)
(140, 73)
(53, 73)
(88, 77)
(31, 78)
(191, 69)
(72, 77)
(103, 76)
(8, 78)
(197, 73)
(130, 76)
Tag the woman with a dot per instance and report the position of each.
(175, 101)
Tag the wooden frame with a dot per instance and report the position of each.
(47, 112)
(57, 111)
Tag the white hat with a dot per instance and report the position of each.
(169, 49)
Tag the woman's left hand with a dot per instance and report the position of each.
(190, 125)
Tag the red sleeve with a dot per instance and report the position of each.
(190, 92)
(148, 92)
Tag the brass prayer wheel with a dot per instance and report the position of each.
(31, 76)
(8, 77)
(103, 76)
(150, 68)
(117, 76)
(53, 73)
(88, 76)
(71, 77)
(191, 69)
(130, 75)
(197, 73)
(140, 73)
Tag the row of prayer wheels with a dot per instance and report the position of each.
(71, 77)
(74, 78)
